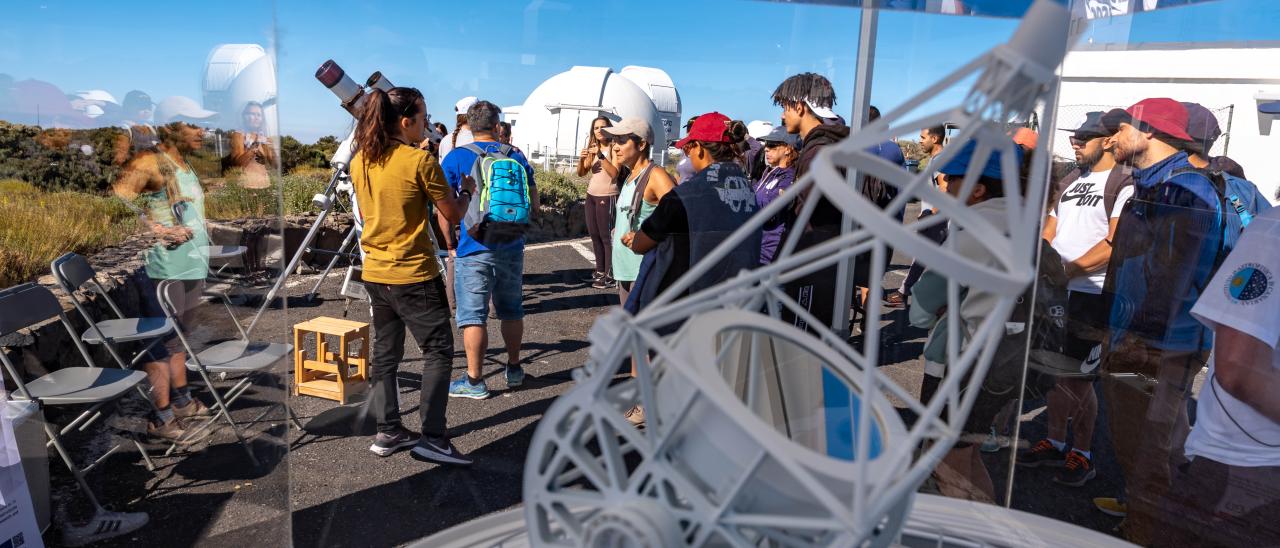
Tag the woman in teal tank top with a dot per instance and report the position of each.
(646, 185)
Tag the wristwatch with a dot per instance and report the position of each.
(467, 192)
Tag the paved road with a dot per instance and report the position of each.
(331, 491)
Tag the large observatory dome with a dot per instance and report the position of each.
(554, 122)
(236, 74)
(661, 90)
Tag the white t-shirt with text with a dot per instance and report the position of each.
(1083, 222)
(1242, 295)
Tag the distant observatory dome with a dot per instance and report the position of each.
(236, 74)
(554, 122)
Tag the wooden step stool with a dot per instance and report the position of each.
(330, 375)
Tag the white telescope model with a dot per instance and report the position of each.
(743, 410)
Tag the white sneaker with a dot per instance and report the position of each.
(102, 526)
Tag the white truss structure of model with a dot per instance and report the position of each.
(732, 453)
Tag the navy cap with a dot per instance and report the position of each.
(1203, 128)
(1092, 126)
(960, 163)
(1270, 108)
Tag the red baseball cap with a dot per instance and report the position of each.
(1161, 114)
(708, 128)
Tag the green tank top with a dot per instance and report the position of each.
(190, 260)
(626, 264)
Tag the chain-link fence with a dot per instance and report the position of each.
(1071, 116)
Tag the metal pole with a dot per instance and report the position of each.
(844, 294)
(302, 249)
(342, 252)
(1226, 143)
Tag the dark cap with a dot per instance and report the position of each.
(1203, 128)
(1159, 115)
(1270, 108)
(1092, 126)
(959, 164)
(137, 100)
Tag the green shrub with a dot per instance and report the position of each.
(559, 190)
(37, 226)
(289, 195)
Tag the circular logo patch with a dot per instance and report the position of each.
(1250, 283)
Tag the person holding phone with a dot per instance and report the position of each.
(602, 197)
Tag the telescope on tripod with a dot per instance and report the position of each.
(351, 96)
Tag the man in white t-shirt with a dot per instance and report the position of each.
(1229, 492)
(1080, 227)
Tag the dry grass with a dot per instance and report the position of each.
(37, 226)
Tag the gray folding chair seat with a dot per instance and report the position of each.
(72, 272)
(252, 359)
(127, 329)
(83, 385)
(239, 356)
(30, 304)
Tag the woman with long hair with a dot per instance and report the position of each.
(394, 181)
(251, 149)
(632, 141)
(597, 159)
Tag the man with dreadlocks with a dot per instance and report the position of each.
(806, 100)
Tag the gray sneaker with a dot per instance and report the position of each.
(102, 526)
(440, 451)
(386, 443)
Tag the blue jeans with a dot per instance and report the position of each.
(489, 274)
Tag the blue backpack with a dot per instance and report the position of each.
(1240, 201)
(499, 213)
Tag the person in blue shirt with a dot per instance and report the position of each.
(1164, 252)
(485, 273)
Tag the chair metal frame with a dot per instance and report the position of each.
(223, 400)
(39, 304)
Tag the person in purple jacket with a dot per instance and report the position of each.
(780, 153)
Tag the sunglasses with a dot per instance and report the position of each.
(1078, 141)
(619, 139)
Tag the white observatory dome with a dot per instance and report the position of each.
(236, 74)
(554, 122)
(662, 91)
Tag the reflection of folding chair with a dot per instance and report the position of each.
(26, 305)
(221, 255)
(72, 272)
(243, 357)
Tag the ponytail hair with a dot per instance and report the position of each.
(734, 146)
(379, 120)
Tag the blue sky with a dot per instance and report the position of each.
(725, 55)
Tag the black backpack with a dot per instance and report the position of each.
(1046, 317)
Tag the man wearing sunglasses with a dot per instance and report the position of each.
(1080, 227)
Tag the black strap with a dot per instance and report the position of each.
(637, 199)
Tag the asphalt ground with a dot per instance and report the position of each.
(322, 487)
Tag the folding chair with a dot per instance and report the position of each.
(250, 359)
(72, 272)
(26, 305)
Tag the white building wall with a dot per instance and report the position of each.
(1215, 78)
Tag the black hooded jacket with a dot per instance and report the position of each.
(825, 215)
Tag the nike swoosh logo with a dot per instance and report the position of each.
(448, 451)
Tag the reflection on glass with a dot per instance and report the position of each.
(794, 391)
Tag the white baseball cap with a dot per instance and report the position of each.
(463, 104)
(821, 112)
(632, 126)
(759, 128)
(177, 106)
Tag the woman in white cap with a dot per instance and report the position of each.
(461, 133)
(632, 142)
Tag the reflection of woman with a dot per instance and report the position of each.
(602, 195)
(174, 211)
(251, 149)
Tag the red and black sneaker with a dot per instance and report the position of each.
(1079, 469)
(1042, 453)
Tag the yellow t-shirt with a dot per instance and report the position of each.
(393, 198)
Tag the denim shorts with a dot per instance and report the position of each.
(498, 274)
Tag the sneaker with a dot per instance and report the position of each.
(991, 444)
(386, 443)
(604, 283)
(1042, 453)
(441, 451)
(896, 300)
(635, 416)
(1079, 469)
(194, 409)
(596, 276)
(461, 388)
(102, 526)
(515, 376)
(1111, 506)
(169, 431)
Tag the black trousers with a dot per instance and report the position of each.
(424, 310)
(600, 210)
